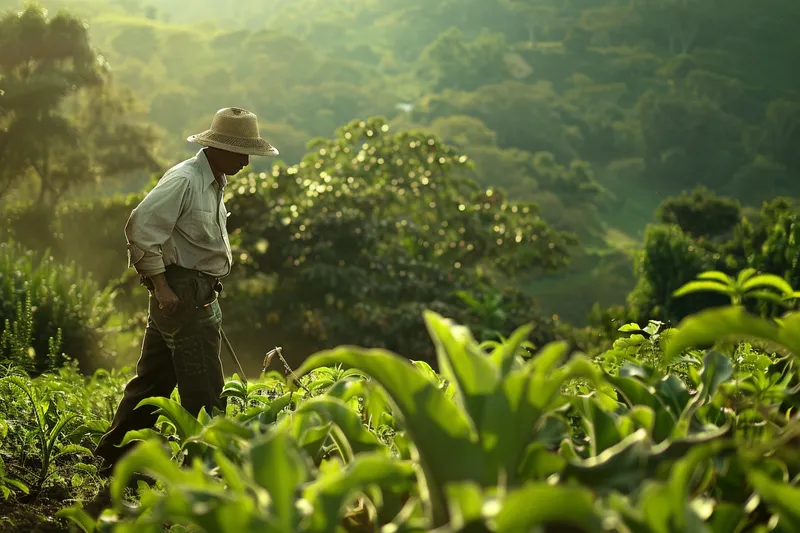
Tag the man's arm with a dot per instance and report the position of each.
(151, 224)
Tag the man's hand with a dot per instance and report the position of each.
(167, 300)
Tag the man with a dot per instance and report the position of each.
(178, 243)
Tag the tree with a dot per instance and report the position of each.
(452, 62)
(700, 213)
(47, 64)
(369, 229)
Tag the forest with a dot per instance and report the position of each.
(508, 249)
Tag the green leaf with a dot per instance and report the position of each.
(727, 518)
(768, 280)
(717, 369)
(697, 286)
(538, 463)
(279, 467)
(140, 435)
(184, 423)
(462, 363)
(744, 275)
(79, 517)
(717, 275)
(220, 432)
(782, 498)
(768, 296)
(601, 427)
(724, 324)
(503, 355)
(73, 449)
(465, 500)
(447, 445)
(150, 458)
(630, 327)
(554, 505)
(333, 410)
(270, 415)
(330, 492)
(17, 484)
(617, 468)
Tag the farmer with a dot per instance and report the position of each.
(178, 243)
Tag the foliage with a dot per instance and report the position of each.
(369, 229)
(632, 102)
(700, 213)
(672, 437)
(47, 63)
(51, 312)
(764, 244)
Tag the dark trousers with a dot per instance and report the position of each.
(180, 348)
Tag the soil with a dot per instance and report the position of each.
(38, 514)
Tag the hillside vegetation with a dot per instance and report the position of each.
(521, 265)
(596, 110)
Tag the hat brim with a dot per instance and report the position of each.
(234, 144)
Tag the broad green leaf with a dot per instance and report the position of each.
(347, 388)
(617, 468)
(723, 324)
(717, 275)
(270, 415)
(539, 504)
(184, 423)
(427, 371)
(782, 498)
(448, 448)
(220, 432)
(465, 500)
(635, 392)
(546, 359)
(673, 394)
(79, 517)
(333, 410)
(17, 484)
(279, 467)
(140, 435)
(149, 458)
(768, 296)
(601, 427)
(697, 286)
(330, 492)
(462, 363)
(768, 280)
(744, 275)
(538, 463)
(717, 369)
(70, 449)
(503, 355)
(727, 518)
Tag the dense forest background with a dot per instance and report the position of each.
(643, 137)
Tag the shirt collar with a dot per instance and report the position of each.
(208, 174)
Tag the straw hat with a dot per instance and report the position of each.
(235, 130)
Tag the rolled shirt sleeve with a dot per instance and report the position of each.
(151, 223)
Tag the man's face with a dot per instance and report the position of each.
(229, 163)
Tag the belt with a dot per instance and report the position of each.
(178, 272)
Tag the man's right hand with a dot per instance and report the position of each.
(167, 300)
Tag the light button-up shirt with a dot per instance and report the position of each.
(181, 221)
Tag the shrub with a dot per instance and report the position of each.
(49, 312)
(88, 232)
